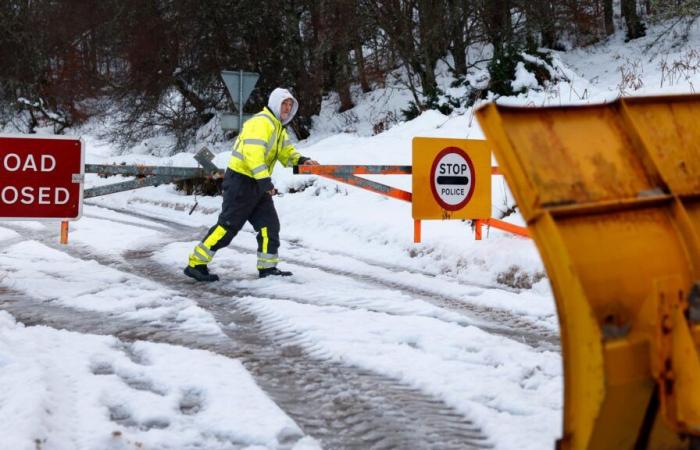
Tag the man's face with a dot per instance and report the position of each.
(286, 109)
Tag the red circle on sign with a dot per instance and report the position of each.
(433, 188)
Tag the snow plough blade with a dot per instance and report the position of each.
(611, 195)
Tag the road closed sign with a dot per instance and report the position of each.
(41, 177)
(451, 179)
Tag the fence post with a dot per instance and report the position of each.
(64, 232)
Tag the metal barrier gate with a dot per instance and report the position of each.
(611, 194)
(145, 176)
(157, 175)
(348, 174)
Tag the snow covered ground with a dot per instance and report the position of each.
(469, 323)
(64, 390)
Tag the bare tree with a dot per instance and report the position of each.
(159, 61)
(608, 17)
(635, 26)
(415, 31)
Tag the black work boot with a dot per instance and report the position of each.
(273, 271)
(200, 273)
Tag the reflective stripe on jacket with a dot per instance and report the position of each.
(262, 142)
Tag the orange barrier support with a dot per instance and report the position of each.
(416, 231)
(509, 227)
(64, 232)
(477, 229)
(347, 174)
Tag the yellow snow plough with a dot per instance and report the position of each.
(611, 194)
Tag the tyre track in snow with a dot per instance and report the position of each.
(492, 320)
(293, 243)
(344, 407)
(502, 322)
(31, 311)
(86, 253)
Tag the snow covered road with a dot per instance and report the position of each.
(356, 353)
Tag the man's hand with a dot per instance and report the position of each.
(310, 162)
(272, 192)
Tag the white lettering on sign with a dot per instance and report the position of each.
(62, 196)
(12, 162)
(10, 195)
(45, 160)
(28, 195)
(452, 179)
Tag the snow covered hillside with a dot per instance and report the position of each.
(375, 342)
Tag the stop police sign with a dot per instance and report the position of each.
(41, 177)
(451, 179)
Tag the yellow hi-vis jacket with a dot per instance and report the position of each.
(262, 142)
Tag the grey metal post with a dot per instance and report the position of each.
(240, 102)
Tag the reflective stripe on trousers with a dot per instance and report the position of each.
(266, 260)
(203, 253)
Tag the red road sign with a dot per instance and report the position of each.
(41, 177)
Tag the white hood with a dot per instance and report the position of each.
(275, 104)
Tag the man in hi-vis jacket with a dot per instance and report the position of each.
(248, 189)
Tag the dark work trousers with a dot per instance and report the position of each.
(243, 201)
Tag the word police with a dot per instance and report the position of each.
(28, 195)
